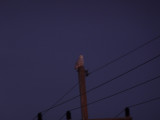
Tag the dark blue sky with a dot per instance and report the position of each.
(40, 42)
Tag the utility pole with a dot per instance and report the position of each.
(82, 86)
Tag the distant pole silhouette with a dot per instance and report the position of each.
(68, 115)
(127, 112)
(39, 116)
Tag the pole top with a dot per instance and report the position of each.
(80, 62)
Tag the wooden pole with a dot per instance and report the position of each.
(82, 86)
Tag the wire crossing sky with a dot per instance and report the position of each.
(140, 103)
(102, 84)
(122, 91)
(126, 54)
(140, 46)
(40, 42)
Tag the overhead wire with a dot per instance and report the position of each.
(137, 104)
(120, 75)
(120, 92)
(124, 55)
(144, 102)
(118, 58)
(60, 99)
(62, 117)
(119, 114)
(104, 83)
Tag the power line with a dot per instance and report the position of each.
(62, 117)
(119, 113)
(124, 55)
(61, 98)
(144, 102)
(140, 103)
(64, 102)
(117, 93)
(120, 75)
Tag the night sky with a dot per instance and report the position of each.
(40, 42)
